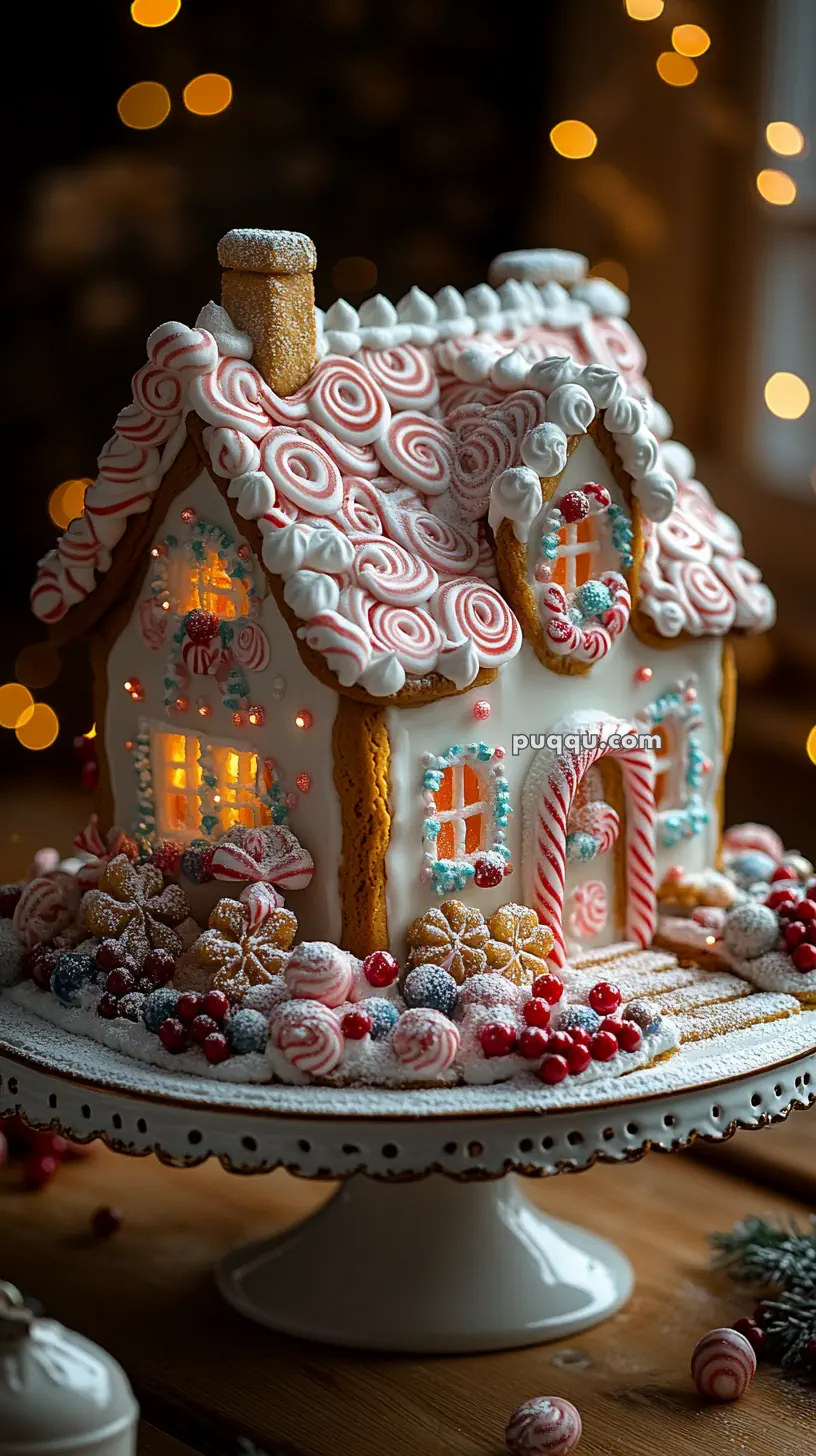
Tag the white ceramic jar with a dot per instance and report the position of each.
(60, 1395)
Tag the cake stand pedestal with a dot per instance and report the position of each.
(428, 1246)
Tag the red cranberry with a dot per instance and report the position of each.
(217, 1005)
(189, 1006)
(536, 1012)
(788, 911)
(559, 1043)
(804, 958)
(201, 626)
(108, 1006)
(553, 1069)
(41, 960)
(167, 857)
(630, 1036)
(120, 981)
(205, 861)
(605, 998)
(216, 1048)
(110, 954)
(202, 1027)
(355, 1025)
(794, 933)
(497, 1039)
(573, 506)
(604, 1046)
(778, 899)
(533, 1042)
(487, 874)
(806, 910)
(578, 1058)
(173, 1035)
(548, 988)
(580, 1035)
(380, 968)
(39, 1170)
(755, 1336)
(105, 1222)
(613, 1024)
(782, 872)
(158, 966)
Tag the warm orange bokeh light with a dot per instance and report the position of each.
(207, 95)
(784, 138)
(143, 106)
(16, 705)
(787, 396)
(776, 187)
(573, 139)
(676, 70)
(39, 729)
(644, 9)
(153, 13)
(68, 501)
(690, 40)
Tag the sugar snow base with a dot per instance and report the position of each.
(775, 971)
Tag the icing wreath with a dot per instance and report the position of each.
(583, 622)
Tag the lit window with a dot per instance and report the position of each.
(204, 583)
(460, 808)
(178, 775)
(238, 787)
(577, 546)
(664, 763)
(180, 790)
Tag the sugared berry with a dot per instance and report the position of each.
(536, 1011)
(549, 988)
(380, 968)
(216, 1048)
(573, 506)
(533, 1042)
(645, 1014)
(383, 1014)
(173, 1035)
(782, 872)
(488, 872)
(613, 1024)
(120, 981)
(553, 1069)
(217, 1004)
(804, 958)
(71, 974)
(40, 962)
(778, 898)
(201, 626)
(160, 1006)
(794, 933)
(605, 998)
(105, 1222)
(167, 856)
(559, 1043)
(630, 1036)
(788, 910)
(578, 1057)
(189, 1006)
(110, 954)
(108, 1006)
(158, 966)
(583, 1016)
(247, 1031)
(206, 858)
(497, 1039)
(355, 1025)
(604, 1046)
(431, 987)
(580, 1036)
(131, 1006)
(806, 910)
(757, 1338)
(202, 1027)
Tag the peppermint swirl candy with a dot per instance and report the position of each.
(107, 506)
(425, 1042)
(486, 450)
(711, 606)
(543, 1426)
(754, 602)
(594, 644)
(522, 411)
(419, 451)
(250, 647)
(184, 351)
(231, 452)
(142, 426)
(309, 1037)
(235, 396)
(124, 461)
(723, 1365)
(404, 375)
(471, 611)
(359, 514)
(343, 396)
(410, 633)
(344, 645)
(392, 574)
(40, 912)
(349, 458)
(319, 971)
(447, 548)
(611, 341)
(302, 471)
(680, 539)
(600, 820)
(588, 909)
(158, 391)
(696, 506)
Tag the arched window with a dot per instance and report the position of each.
(461, 807)
(467, 806)
(576, 554)
(202, 581)
(192, 778)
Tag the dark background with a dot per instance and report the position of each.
(413, 135)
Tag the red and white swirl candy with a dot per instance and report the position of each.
(588, 909)
(202, 659)
(158, 391)
(153, 622)
(320, 971)
(345, 646)
(359, 514)
(123, 461)
(600, 820)
(723, 1365)
(485, 451)
(710, 607)
(741, 837)
(344, 397)
(183, 350)
(142, 426)
(308, 1035)
(409, 632)
(302, 471)
(392, 574)
(446, 547)
(404, 374)
(472, 611)
(231, 452)
(419, 451)
(543, 1426)
(41, 911)
(234, 396)
(350, 458)
(250, 647)
(425, 1042)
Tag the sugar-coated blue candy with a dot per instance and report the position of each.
(247, 1031)
(71, 974)
(751, 866)
(158, 1007)
(383, 1015)
(432, 987)
(582, 1016)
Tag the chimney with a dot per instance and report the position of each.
(267, 290)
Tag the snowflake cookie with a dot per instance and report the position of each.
(519, 944)
(247, 942)
(133, 905)
(451, 935)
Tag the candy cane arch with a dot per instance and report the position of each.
(549, 791)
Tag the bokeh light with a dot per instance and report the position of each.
(573, 139)
(810, 744)
(644, 9)
(690, 40)
(354, 275)
(786, 395)
(68, 501)
(16, 705)
(143, 106)
(40, 729)
(676, 70)
(38, 665)
(152, 13)
(785, 138)
(208, 94)
(776, 187)
(613, 272)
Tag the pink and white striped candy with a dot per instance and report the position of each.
(419, 451)
(345, 646)
(753, 836)
(41, 911)
(600, 820)
(234, 396)
(158, 391)
(546, 1425)
(259, 900)
(250, 647)
(588, 909)
(350, 459)
(153, 622)
(360, 513)
(202, 658)
(308, 1035)
(142, 426)
(392, 574)
(302, 471)
(231, 452)
(405, 375)
(410, 632)
(446, 547)
(723, 1365)
(125, 461)
(472, 611)
(320, 971)
(184, 350)
(484, 452)
(425, 1042)
(344, 397)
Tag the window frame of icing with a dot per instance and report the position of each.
(611, 527)
(220, 799)
(203, 537)
(682, 813)
(450, 875)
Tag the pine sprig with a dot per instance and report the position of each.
(771, 1254)
(790, 1324)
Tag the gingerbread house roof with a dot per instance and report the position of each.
(377, 487)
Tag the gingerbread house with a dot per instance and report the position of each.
(429, 582)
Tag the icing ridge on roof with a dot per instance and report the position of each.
(372, 484)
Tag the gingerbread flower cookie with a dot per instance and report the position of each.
(519, 944)
(247, 943)
(451, 935)
(133, 905)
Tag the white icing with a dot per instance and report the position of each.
(459, 664)
(547, 374)
(453, 318)
(515, 496)
(230, 340)
(254, 494)
(678, 460)
(544, 449)
(656, 492)
(510, 371)
(571, 408)
(603, 297)
(419, 310)
(384, 676)
(538, 265)
(310, 592)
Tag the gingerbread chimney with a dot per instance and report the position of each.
(267, 290)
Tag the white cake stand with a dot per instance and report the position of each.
(427, 1246)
